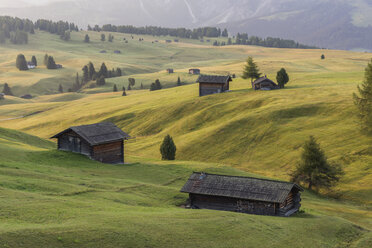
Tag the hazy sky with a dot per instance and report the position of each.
(18, 3)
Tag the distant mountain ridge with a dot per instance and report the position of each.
(338, 24)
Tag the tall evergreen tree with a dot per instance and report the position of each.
(124, 93)
(251, 70)
(115, 89)
(282, 77)
(158, 84)
(6, 90)
(86, 39)
(103, 71)
(51, 63)
(33, 60)
(91, 71)
(314, 169)
(21, 63)
(179, 81)
(118, 72)
(363, 101)
(225, 33)
(85, 74)
(60, 88)
(168, 148)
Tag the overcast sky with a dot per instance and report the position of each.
(21, 3)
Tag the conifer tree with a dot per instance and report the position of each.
(91, 71)
(6, 90)
(21, 63)
(33, 60)
(158, 84)
(323, 56)
(124, 93)
(60, 88)
(85, 74)
(282, 77)
(118, 72)
(103, 71)
(179, 81)
(115, 89)
(168, 148)
(51, 64)
(363, 101)
(314, 169)
(251, 70)
(142, 86)
(86, 39)
(103, 37)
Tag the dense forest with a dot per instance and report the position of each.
(16, 30)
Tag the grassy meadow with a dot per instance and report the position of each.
(242, 132)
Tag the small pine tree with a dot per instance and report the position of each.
(85, 74)
(103, 71)
(7, 90)
(323, 56)
(60, 88)
(124, 93)
(168, 148)
(110, 38)
(314, 169)
(363, 101)
(103, 37)
(51, 63)
(33, 60)
(86, 39)
(282, 77)
(91, 71)
(179, 81)
(158, 84)
(21, 63)
(251, 70)
(115, 89)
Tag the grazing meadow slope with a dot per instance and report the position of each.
(51, 198)
(241, 132)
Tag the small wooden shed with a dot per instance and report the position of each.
(170, 70)
(213, 84)
(264, 83)
(103, 142)
(194, 71)
(242, 194)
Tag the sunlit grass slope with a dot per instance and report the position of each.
(135, 58)
(260, 132)
(50, 198)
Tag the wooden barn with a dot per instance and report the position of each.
(264, 83)
(170, 70)
(103, 142)
(213, 84)
(194, 71)
(242, 194)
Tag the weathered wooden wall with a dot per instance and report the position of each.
(211, 88)
(109, 153)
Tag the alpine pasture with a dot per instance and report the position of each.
(60, 199)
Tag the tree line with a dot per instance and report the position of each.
(160, 31)
(16, 30)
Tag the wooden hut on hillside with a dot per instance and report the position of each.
(213, 84)
(264, 83)
(242, 194)
(103, 142)
(194, 71)
(170, 70)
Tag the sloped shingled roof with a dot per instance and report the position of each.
(263, 79)
(213, 79)
(97, 134)
(247, 188)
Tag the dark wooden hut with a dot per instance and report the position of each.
(103, 142)
(213, 84)
(242, 194)
(194, 71)
(170, 70)
(264, 83)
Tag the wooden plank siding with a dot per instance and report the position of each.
(212, 88)
(109, 153)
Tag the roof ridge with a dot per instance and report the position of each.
(263, 179)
